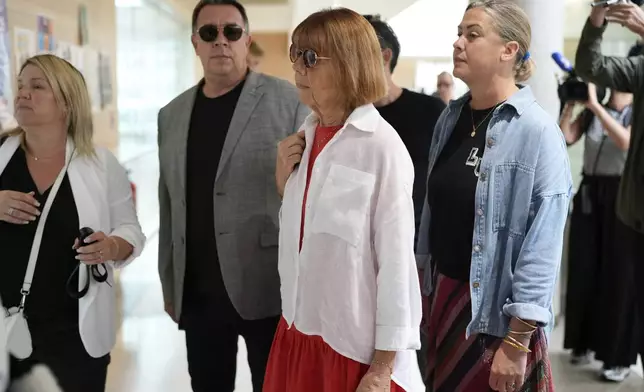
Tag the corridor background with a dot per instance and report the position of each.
(151, 61)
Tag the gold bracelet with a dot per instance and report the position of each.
(516, 344)
(534, 327)
(117, 247)
(524, 333)
(509, 343)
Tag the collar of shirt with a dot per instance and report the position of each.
(364, 118)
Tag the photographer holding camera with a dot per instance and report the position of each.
(627, 75)
(600, 309)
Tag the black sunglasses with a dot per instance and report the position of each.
(309, 56)
(209, 32)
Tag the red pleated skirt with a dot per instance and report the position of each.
(305, 363)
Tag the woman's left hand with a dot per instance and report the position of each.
(102, 250)
(508, 369)
(375, 381)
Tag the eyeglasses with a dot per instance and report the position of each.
(309, 56)
(209, 32)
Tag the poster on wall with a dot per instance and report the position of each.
(5, 55)
(105, 80)
(25, 45)
(92, 77)
(45, 35)
(64, 50)
(83, 31)
(6, 96)
(77, 57)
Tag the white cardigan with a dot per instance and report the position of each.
(104, 201)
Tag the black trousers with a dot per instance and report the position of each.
(637, 243)
(600, 304)
(211, 341)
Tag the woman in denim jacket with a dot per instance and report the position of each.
(491, 236)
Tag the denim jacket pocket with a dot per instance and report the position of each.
(343, 205)
(513, 184)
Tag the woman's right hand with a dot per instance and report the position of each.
(289, 154)
(18, 208)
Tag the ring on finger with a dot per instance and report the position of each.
(10, 211)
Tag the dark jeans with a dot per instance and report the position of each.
(211, 341)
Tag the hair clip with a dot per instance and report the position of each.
(526, 56)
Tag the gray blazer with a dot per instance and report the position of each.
(245, 197)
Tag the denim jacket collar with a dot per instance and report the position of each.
(520, 100)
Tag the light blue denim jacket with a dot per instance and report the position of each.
(521, 207)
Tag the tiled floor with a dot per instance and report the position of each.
(150, 354)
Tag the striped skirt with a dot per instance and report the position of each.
(456, 364)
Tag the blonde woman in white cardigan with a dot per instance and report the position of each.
(71, 303)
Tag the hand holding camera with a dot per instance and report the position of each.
(95, 247)
(592, 101)
(623, 12)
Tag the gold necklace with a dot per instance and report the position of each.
(476, 127)
(38, 159)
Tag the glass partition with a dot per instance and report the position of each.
(155, 63)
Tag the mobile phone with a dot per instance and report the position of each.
(606, 3)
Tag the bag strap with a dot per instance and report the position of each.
(35, 247)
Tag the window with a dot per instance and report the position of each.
(155, 63)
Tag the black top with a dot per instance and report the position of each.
(413, 116)
(52, 314)
(451, 192)
(208, 129)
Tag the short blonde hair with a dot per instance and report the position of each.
(350, 42)
(512, 24)
(71, 95)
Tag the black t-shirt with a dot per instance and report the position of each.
(52, 313)
(204, 285)
(413, 116)
(451, 192)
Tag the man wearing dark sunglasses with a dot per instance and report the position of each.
(219, 208)
(413, 115)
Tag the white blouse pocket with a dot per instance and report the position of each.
(343, 205)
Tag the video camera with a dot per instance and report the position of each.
(573, 89)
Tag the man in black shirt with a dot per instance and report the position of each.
(218, 231)
(413, 116)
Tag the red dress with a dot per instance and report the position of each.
(305, 363)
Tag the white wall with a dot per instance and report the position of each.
(428, 27)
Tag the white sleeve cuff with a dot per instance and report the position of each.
(397, 338)
(132, 238)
